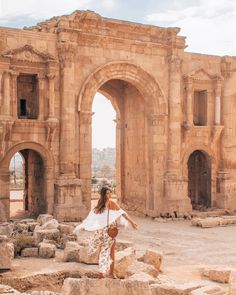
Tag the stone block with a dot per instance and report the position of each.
(104, 287)
(123, 260)
(66, 229)
(153, 258)
(174, 289)
(6, 254)
(30, 252)
(122, 245)
(218, 274)
(142, 277)
(72, 252)
(47, 250)
(49, 234)
(43, 218)
(50, 224)
(86, 258)
(138, 267)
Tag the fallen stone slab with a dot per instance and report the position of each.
(153, 258)
(174, 289)
(104, 287)
(143, 277)
(123, 259)
(214, 221)
(30, 252)
(206, 290)
(218, 274)
(138, 266)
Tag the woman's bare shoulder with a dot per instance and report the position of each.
(113, 205)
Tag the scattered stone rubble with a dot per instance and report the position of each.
(214, 221)
(137, 273)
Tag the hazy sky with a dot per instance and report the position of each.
(209, 25)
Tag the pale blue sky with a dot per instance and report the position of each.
(209, 25)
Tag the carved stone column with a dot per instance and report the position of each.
(1, 92)
(14, 93)
(42, 96)
(85, 157)
(51, 79)
(217, 102)
(189, 101)
(6, 106)
(174, 114)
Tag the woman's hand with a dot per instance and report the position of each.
(134, 225)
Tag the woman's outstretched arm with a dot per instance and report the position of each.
(114, 206)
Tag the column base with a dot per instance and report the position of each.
(226, 186)
(176, 194)
(68, 200)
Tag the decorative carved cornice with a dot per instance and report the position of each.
(28, 53)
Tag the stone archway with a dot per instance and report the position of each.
(151, 110)
(199, 179)
(41, 179)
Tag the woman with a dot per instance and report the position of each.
(105, 214)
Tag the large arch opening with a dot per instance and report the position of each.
(140, 105)
(199, 180)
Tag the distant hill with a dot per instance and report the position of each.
(105, 157)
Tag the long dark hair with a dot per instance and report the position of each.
(101, 205)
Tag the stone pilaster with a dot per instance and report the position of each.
(175, 184)
(41, 98)
(6, 105)
(69, 203)
(1, 92)
(217, 102)
(85, 157)
(51, 79)
(189, 101)
(67, 127)
(14, 76)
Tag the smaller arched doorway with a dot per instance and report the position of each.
(38, 195)
(199, 180)
(33, 196)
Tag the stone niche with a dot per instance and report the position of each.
(27, 96)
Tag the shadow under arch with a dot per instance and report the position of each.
(48, 166)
